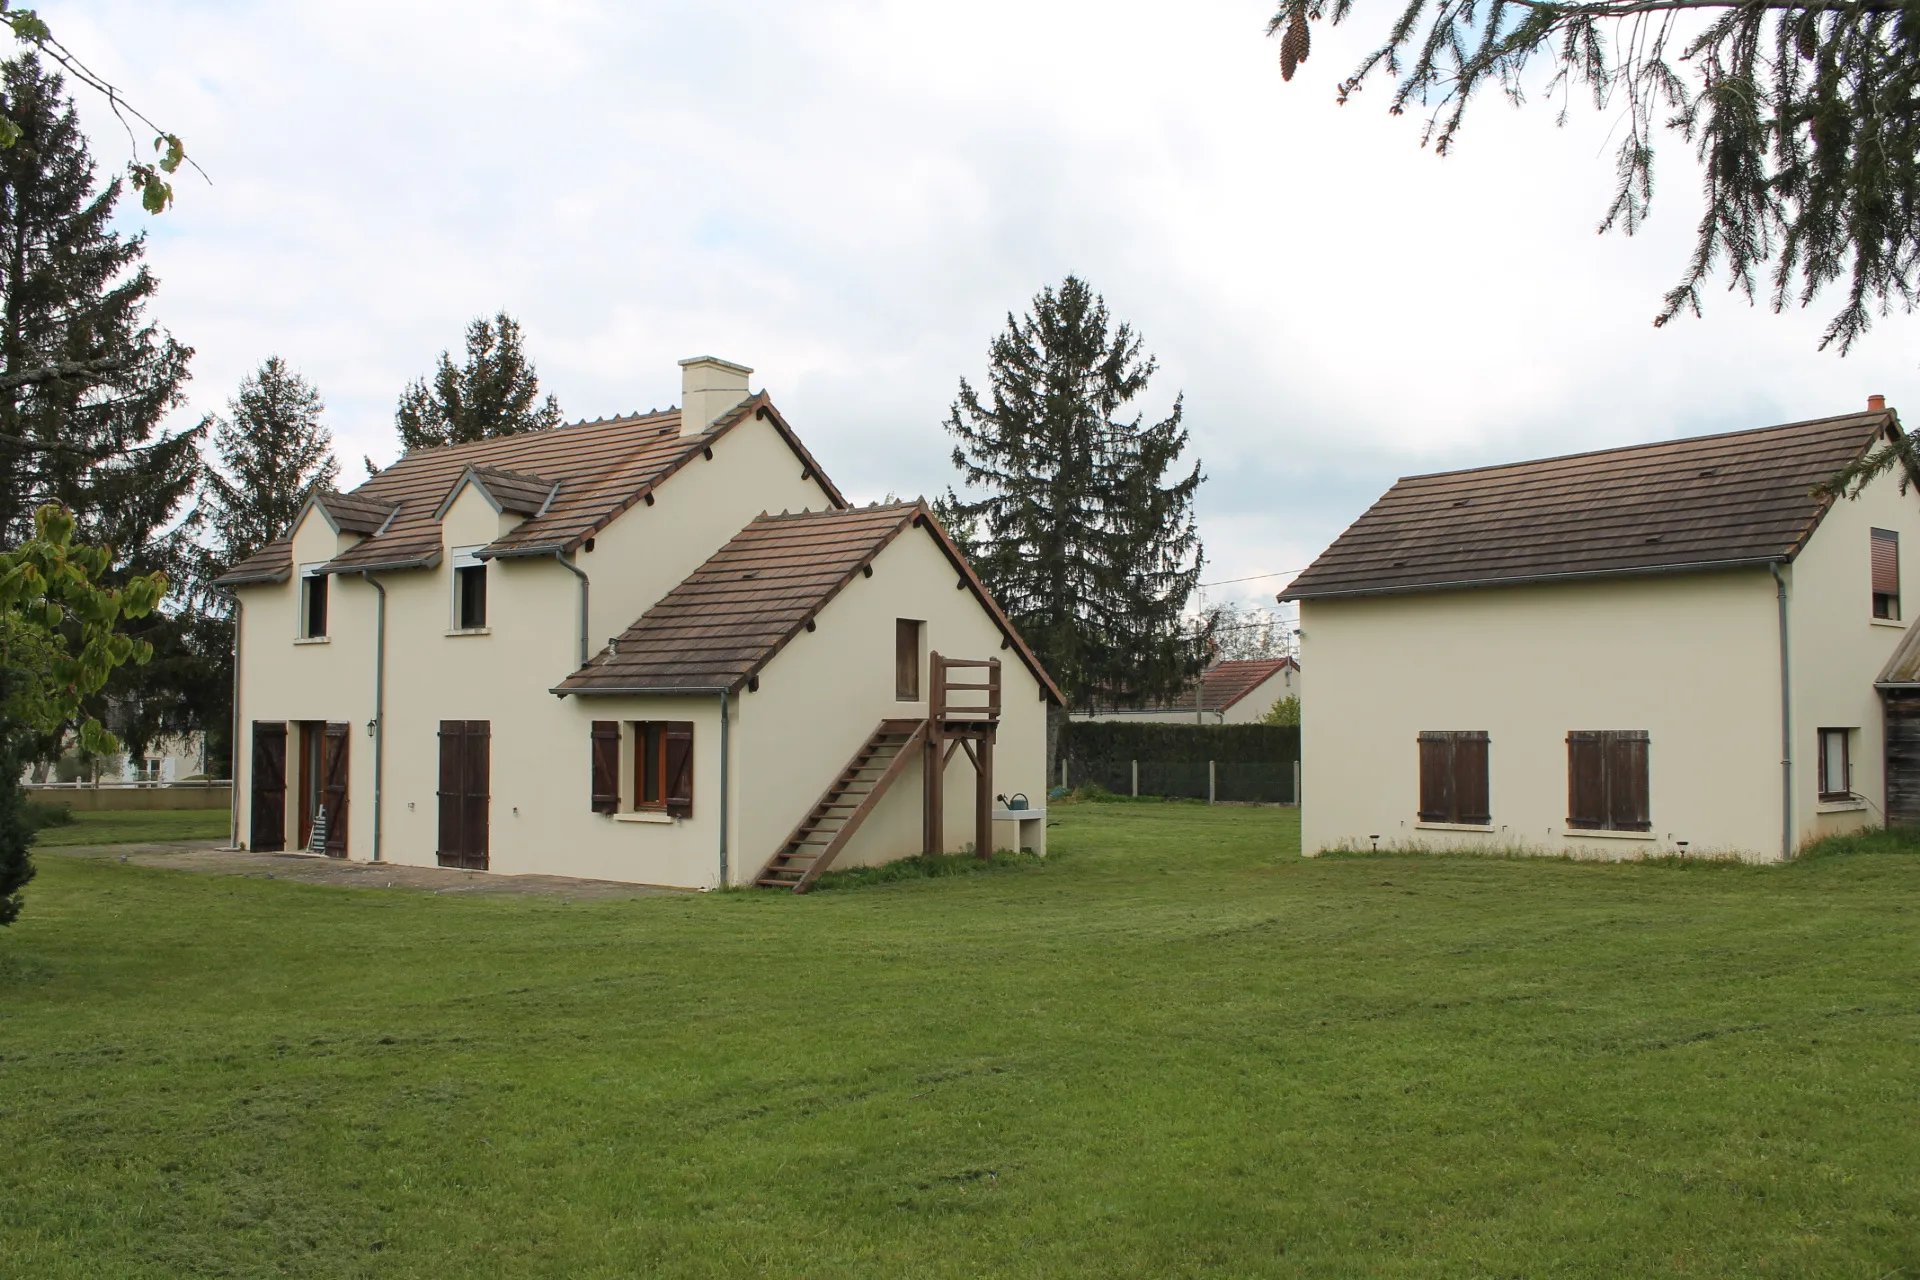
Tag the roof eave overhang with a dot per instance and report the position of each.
(383, 566)
(633, 691)
(252, 579)
(1468, 584)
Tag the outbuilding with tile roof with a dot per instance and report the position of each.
(1665, 648)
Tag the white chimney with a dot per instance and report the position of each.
(709, 387)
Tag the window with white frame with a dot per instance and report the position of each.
(313, 601)
(469, 590)
(1836, 764)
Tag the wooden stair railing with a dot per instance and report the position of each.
(845, 804)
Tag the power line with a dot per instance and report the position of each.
(1252, 578)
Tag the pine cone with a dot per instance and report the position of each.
(1295, 45)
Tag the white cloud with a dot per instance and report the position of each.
(852, 195)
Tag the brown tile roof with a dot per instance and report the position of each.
(1708, 501)
(590, 471)
(726, 621)
(354, 512)
(1223, 684)
(271, 563)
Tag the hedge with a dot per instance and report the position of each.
(1103, 744)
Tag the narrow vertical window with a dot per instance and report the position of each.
(1836, 764)
(313, 602)
(1608, 780)
(1454, 785)
(469, 590)
(663, 766)
(906, 659)
(1886, 574)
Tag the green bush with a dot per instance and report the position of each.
(40, 815)
(1098, 744)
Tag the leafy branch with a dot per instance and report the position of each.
(152, 179)
(1804, 115)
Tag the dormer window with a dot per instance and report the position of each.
(313, 602)
(469, 590)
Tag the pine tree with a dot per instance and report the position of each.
(1078, 533)
(85, 380)
(492, 394)
(273, 452)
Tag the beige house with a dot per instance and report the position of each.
(1669, 648)
(1242, 691)
(426, 674)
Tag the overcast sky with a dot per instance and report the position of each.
(850, 197)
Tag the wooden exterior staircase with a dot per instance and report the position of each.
(824, 832)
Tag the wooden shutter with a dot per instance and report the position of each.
(474, 815)
(1626, 770)
(268, 833)
(679, 748)
(606, 766)
(333, 789)
(1586, 779)
(453, 736)
(1886, 562)
(1436, 777)
(1470, 789)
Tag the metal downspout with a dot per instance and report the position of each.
(233, 747)
(567, 563)
(379, 703)
(1786, 722)
(723, 788)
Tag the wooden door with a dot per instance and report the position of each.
(333, 791)
(269, 822)
(307, 775)
(464, 789)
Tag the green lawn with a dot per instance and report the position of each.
(1177, 1049)
(137, 826)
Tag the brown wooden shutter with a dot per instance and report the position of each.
(606, 766)
(333, 788)
(679, 747)
(1436, 777)
(453, 755)
(1470, 789)
(1886, 562)
(1626, 770)
(1586, 779)
(268, 830)
(476, 832)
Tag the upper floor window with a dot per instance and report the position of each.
(469, 590)
(906, 659)
(1886, 574)
(313, 602)
(1607, 780)
(1836, 765)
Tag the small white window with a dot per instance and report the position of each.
(313, 601)
(469, 590)
(1836, 764)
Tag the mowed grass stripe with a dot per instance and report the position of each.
(1177, 1048)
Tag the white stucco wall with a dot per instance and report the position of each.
(1838, 647)
(1692, 659)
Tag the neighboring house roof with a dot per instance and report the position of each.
(726, 621)
(1221, 685)
(593, 471)
(1705, 502)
